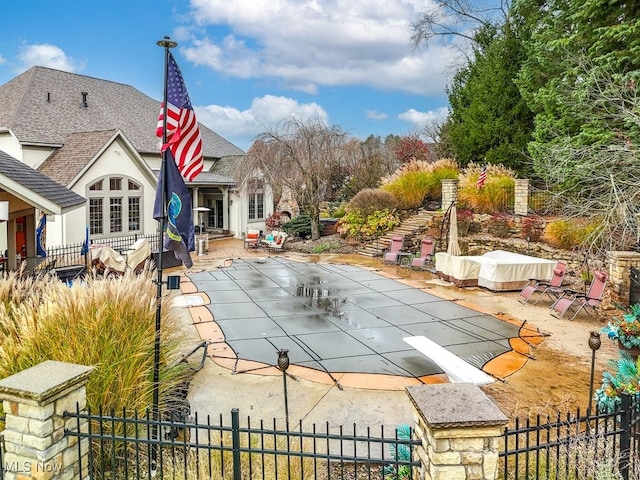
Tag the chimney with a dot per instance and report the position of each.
(84, 99)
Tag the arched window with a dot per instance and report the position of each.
(115, 206)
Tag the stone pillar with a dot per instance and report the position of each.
(620, 264)
(34, 400)
(460, 429)
(449, 192)
(521, 200)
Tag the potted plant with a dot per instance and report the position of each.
(626, 379)
(626, 330)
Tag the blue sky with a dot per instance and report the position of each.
(248, 64)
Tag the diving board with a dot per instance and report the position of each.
(456, 368)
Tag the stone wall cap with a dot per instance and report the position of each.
(44, 381)
(624, 254)
(449, 405)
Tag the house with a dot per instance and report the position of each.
(97, 138)
(23, 190)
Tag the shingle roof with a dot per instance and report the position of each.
(38, 182)
(78, 150)
(43, 106)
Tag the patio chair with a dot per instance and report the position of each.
(552, 288)
(252, 239)
(426, 254)
(392, 253)
(278, 244)
(576, 301)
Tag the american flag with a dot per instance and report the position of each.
(183, 133)
(482, 178)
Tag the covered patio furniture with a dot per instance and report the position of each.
(576, 301)
(392, 253)
(552, 288)
(426, 254)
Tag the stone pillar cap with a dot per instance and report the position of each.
(449, 405)
(44, 382)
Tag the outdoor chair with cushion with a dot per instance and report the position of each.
(426, 254)
(392, 253)
(252, 239)
(576, 301)
(552, 288)
(278, 243)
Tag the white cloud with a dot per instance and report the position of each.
(421, 119)
(241, 126)
(307, 43)
(374, 115)
(46, 55)
(2, 60)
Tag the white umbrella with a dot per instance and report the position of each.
(200, 211)
(453, 248)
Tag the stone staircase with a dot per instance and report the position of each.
(413, 228)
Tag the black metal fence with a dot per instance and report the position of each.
(124, 447)
(543, 201)
(573, 446)
(75, 253)
(494, 200)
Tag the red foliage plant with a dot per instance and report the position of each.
(273, 221)
(412, 148)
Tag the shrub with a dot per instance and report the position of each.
(273, 221)
(499, 225)
(532, 228)
(570, 234)
(299, 226)
(494, 196)
(416, 180)
(326, 247)
(106, 323)
(369, 200)
(356, 225)
(465, 221)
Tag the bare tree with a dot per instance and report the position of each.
(447, 19)
(303, 157)
(366, 163)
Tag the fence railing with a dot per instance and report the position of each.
(574, 446)
(543, 202)
(124, 447)
(494, 200)
(74, 254)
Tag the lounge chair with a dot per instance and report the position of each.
(392, 253)
(576, 301)
(278, 243)
(552, 288)
(426, 254)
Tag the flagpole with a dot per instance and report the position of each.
(167, 44)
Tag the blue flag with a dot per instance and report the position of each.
(85, 244)
(41, 236)
(179, 234)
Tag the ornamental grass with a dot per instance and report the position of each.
(105, 323)
(416, 180)
(496, 193)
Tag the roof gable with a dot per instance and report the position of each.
(43, 106)
(79, 149)
(40, 189)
